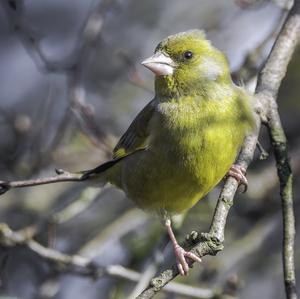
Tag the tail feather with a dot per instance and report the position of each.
(87, 174)
(102, 176)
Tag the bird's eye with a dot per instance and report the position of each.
(187, 54)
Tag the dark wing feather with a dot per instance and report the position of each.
(87, 174)
(135, 138)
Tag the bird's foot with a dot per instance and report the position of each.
(238, 172)
(184, 259)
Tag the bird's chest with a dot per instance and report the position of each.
(196, 142)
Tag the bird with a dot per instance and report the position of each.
(186, 139)
(183, 142)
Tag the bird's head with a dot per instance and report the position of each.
(186, 63)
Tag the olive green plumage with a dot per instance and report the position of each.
(185, 140)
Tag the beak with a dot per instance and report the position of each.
(160, 64)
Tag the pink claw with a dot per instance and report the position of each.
(238, 172)
(182, 259)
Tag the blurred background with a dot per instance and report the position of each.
(70, 84)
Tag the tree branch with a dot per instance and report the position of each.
(274, 71)
(269, 81)
(62, 176)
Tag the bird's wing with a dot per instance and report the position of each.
(136, 136)
(133, 140)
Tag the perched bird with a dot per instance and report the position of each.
(185, 140)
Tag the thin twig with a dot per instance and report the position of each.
(263, 153)
(269, 80)
(62, 176)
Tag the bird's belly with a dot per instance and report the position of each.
(174, 173)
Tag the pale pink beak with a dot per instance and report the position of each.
(160, 64)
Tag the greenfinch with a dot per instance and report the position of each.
(186, 139)
(183, 142)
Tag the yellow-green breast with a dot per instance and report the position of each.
(192, 144)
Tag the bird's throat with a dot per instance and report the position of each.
(165, 87)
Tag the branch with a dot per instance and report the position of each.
(270, 80)
(268, 84)
(62, 176)
(86, 267)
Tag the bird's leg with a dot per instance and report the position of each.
(238, 172)
(180, 253)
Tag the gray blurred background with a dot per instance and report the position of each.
(70, 84)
